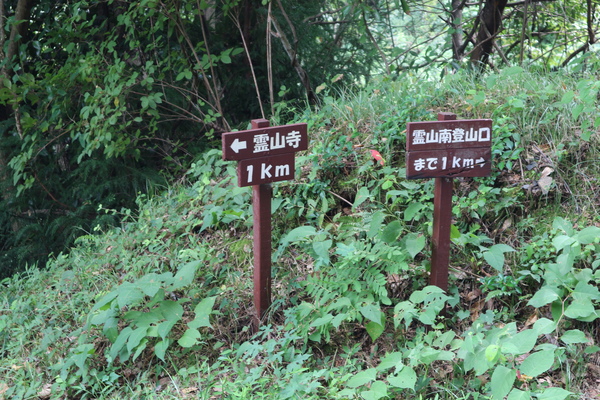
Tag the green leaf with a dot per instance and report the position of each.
(185, 275)
(554, 393)
(171, 310)
(588, 235)
(129, 295)
(321, 249)
(414, 244)
(376, 222)
(580, 309)
(375, 329)
(517, 394)
(362, 195)
(189, 338)
(521, 343)
(377, 391)
(542, 297)
(412, 210)
(391, 232)
(136, 337)
(537, 363)
(391, 360)
(495, 256)
(502, 381)
(574, 336)
(160, 349)
(203, 311)
(372, 312)
(544, 326)
(492, 353)
(362, 378)
(405, 379)
(115, 349)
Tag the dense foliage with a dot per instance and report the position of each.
(161, 307)
(100, 100)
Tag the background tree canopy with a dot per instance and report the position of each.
(100, 100)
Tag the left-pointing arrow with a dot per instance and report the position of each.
(238, 145)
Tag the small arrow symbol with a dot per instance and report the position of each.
(480, 161)
(238, 145)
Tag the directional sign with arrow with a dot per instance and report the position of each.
(262, 142)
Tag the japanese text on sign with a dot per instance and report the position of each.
(439, 163)
(263, 142)
(456, 135)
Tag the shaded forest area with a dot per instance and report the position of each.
(102, 100)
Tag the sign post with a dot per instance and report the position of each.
(265, 154)
(445, 149)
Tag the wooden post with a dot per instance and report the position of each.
(261, 206)
(442, 221)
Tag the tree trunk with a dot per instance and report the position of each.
(8, 110)
(490, 20)
(456, 18)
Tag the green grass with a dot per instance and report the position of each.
(351, 317)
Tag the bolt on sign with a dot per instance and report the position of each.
(449, 148)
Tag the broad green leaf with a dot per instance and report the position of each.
(412, 210)
(414, 244)
(495, 256)
(574, 336)
(129, 295)
(405, 379)
(299, 233)
(517, 394)
(554, 393)
(171, 310)
(203, 311)
(362, 195)
(151, 283)
(521, 343)
(375, 329)
(492, 353)
(160, 349)
(544, 326)
(136, 337)
(391, 232)
(377, 391)
(164, 328)
(185, 275)
(580, 308)
(321, 249)
(189, 338)
(502, 381)
(362, 378)
(391, 360)
(537, 363)
(542, 297)
(115, 349)
(322, 321)
(372, 312)
(562, 224)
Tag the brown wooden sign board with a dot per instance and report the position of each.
(264, 141)
(469, 162)
(258, 171)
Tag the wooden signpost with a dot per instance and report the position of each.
(445, 149)
(265, 154)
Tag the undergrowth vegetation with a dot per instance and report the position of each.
(161, 307)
